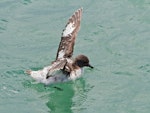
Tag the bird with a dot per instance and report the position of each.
(64, 68)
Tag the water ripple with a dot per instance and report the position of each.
(145, 68)
(3, 25)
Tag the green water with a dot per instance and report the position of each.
(115, 35)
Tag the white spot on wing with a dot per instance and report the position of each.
(69, 29)
(69, 60)
(61, 54)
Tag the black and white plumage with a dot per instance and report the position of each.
(64, 68)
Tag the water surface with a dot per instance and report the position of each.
(114, 35)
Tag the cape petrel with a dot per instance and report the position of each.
(64, 68)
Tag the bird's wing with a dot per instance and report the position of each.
(69, 35)
(57, 65)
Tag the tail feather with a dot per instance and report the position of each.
(28, 72)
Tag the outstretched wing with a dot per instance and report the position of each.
(69, 35)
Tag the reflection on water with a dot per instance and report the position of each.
(61, 101)
(67, 100)
(70, 99)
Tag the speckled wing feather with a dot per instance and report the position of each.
(69, 35)
(56, 65)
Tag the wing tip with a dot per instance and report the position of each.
(75, 18)
(81, 9)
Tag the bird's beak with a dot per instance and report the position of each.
(90, 66)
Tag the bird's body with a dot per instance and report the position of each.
(56, 77)
(64, 68)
